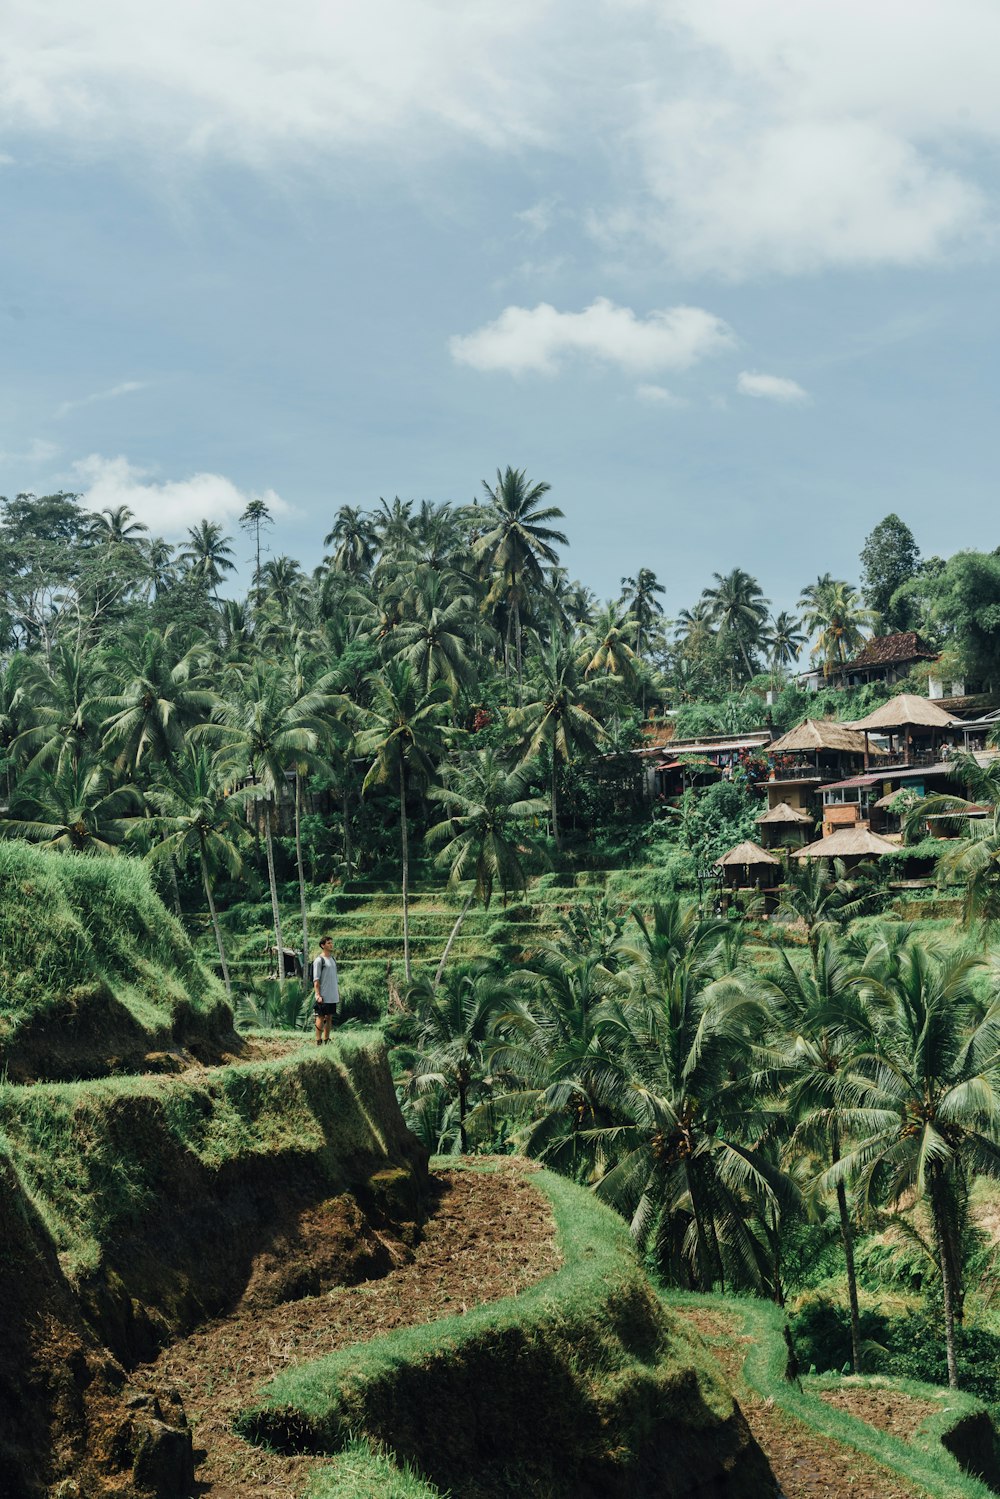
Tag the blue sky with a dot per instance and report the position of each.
(724, 275)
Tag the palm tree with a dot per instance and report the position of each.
(738, 608)
(266, 734)
(488, 808)
(163, 696)
(196, 814)
(550, 1057)
(819, 900)
(254, 518)
(640, 602)
(75, 807)
(923, 1104)
(517, 543)
(117, 526)
(973, 860)
(677, 1041)
(821, 1023)
(435, 640)
(65, 706)
(282, 580)
(453, 1034)
(784, 640)
(207, 555)
(558, 722)
(606, 649)
(353, 537)
(401, 729)
(833, 608)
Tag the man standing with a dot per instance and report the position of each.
(325, 989)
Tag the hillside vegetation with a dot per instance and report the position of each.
(95, 974)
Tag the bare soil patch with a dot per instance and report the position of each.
(806, 1465)
(490, 1235)
(890, 1411)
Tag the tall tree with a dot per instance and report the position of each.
(833, 610)
(207, 555)
(738, 609)
(639, 596)
(353, 538)
(196, 815)
(557, 722)
(484, 834)
(517, 544)
(924, 1100)
(889, 558)
(255, 518)
(401, 732)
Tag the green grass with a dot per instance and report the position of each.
(362, 1472)
(94, 971)
(96, 1158)
(925, 1462)
(580, 1381)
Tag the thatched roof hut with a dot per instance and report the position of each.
(747, 853)
(848, 843)
(820, 734)
(906, 711)
(783, 813)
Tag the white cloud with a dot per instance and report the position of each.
(659, 395)
(535, 339)
(742, 138)
(248, 79)
(771, 388)
(37, 453)
(168, 508)
(125, 388)
(539, 218)
(795, 137)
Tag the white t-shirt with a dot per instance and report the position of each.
(325, 974)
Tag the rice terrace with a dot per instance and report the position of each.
(499, 750)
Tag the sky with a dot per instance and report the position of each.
(724, 275)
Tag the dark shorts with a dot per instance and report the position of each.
(325, 1009)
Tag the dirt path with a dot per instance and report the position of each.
(491, 1234)
(806, 1465)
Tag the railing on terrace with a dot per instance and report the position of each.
(797, 773)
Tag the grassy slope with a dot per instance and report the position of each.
(626, 1404)
(927, 1461)
(94, 972)
(160, 1189)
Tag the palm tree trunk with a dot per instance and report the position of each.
(302, 879)
(517, 643)
(273, 882)
(404, 839)
(216, 927)
(463, 1109)
(454, 933)
(174, 887)
(555, 804)
(346, 813)
(948, 1287)
(847, 1237)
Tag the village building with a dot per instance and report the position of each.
(672, 765)
(810, 756)
(919, 731)
(750, 867)
(784, 826)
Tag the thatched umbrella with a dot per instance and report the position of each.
(848, 843)
(784, 813)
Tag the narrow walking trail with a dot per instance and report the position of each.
(806, 1464)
